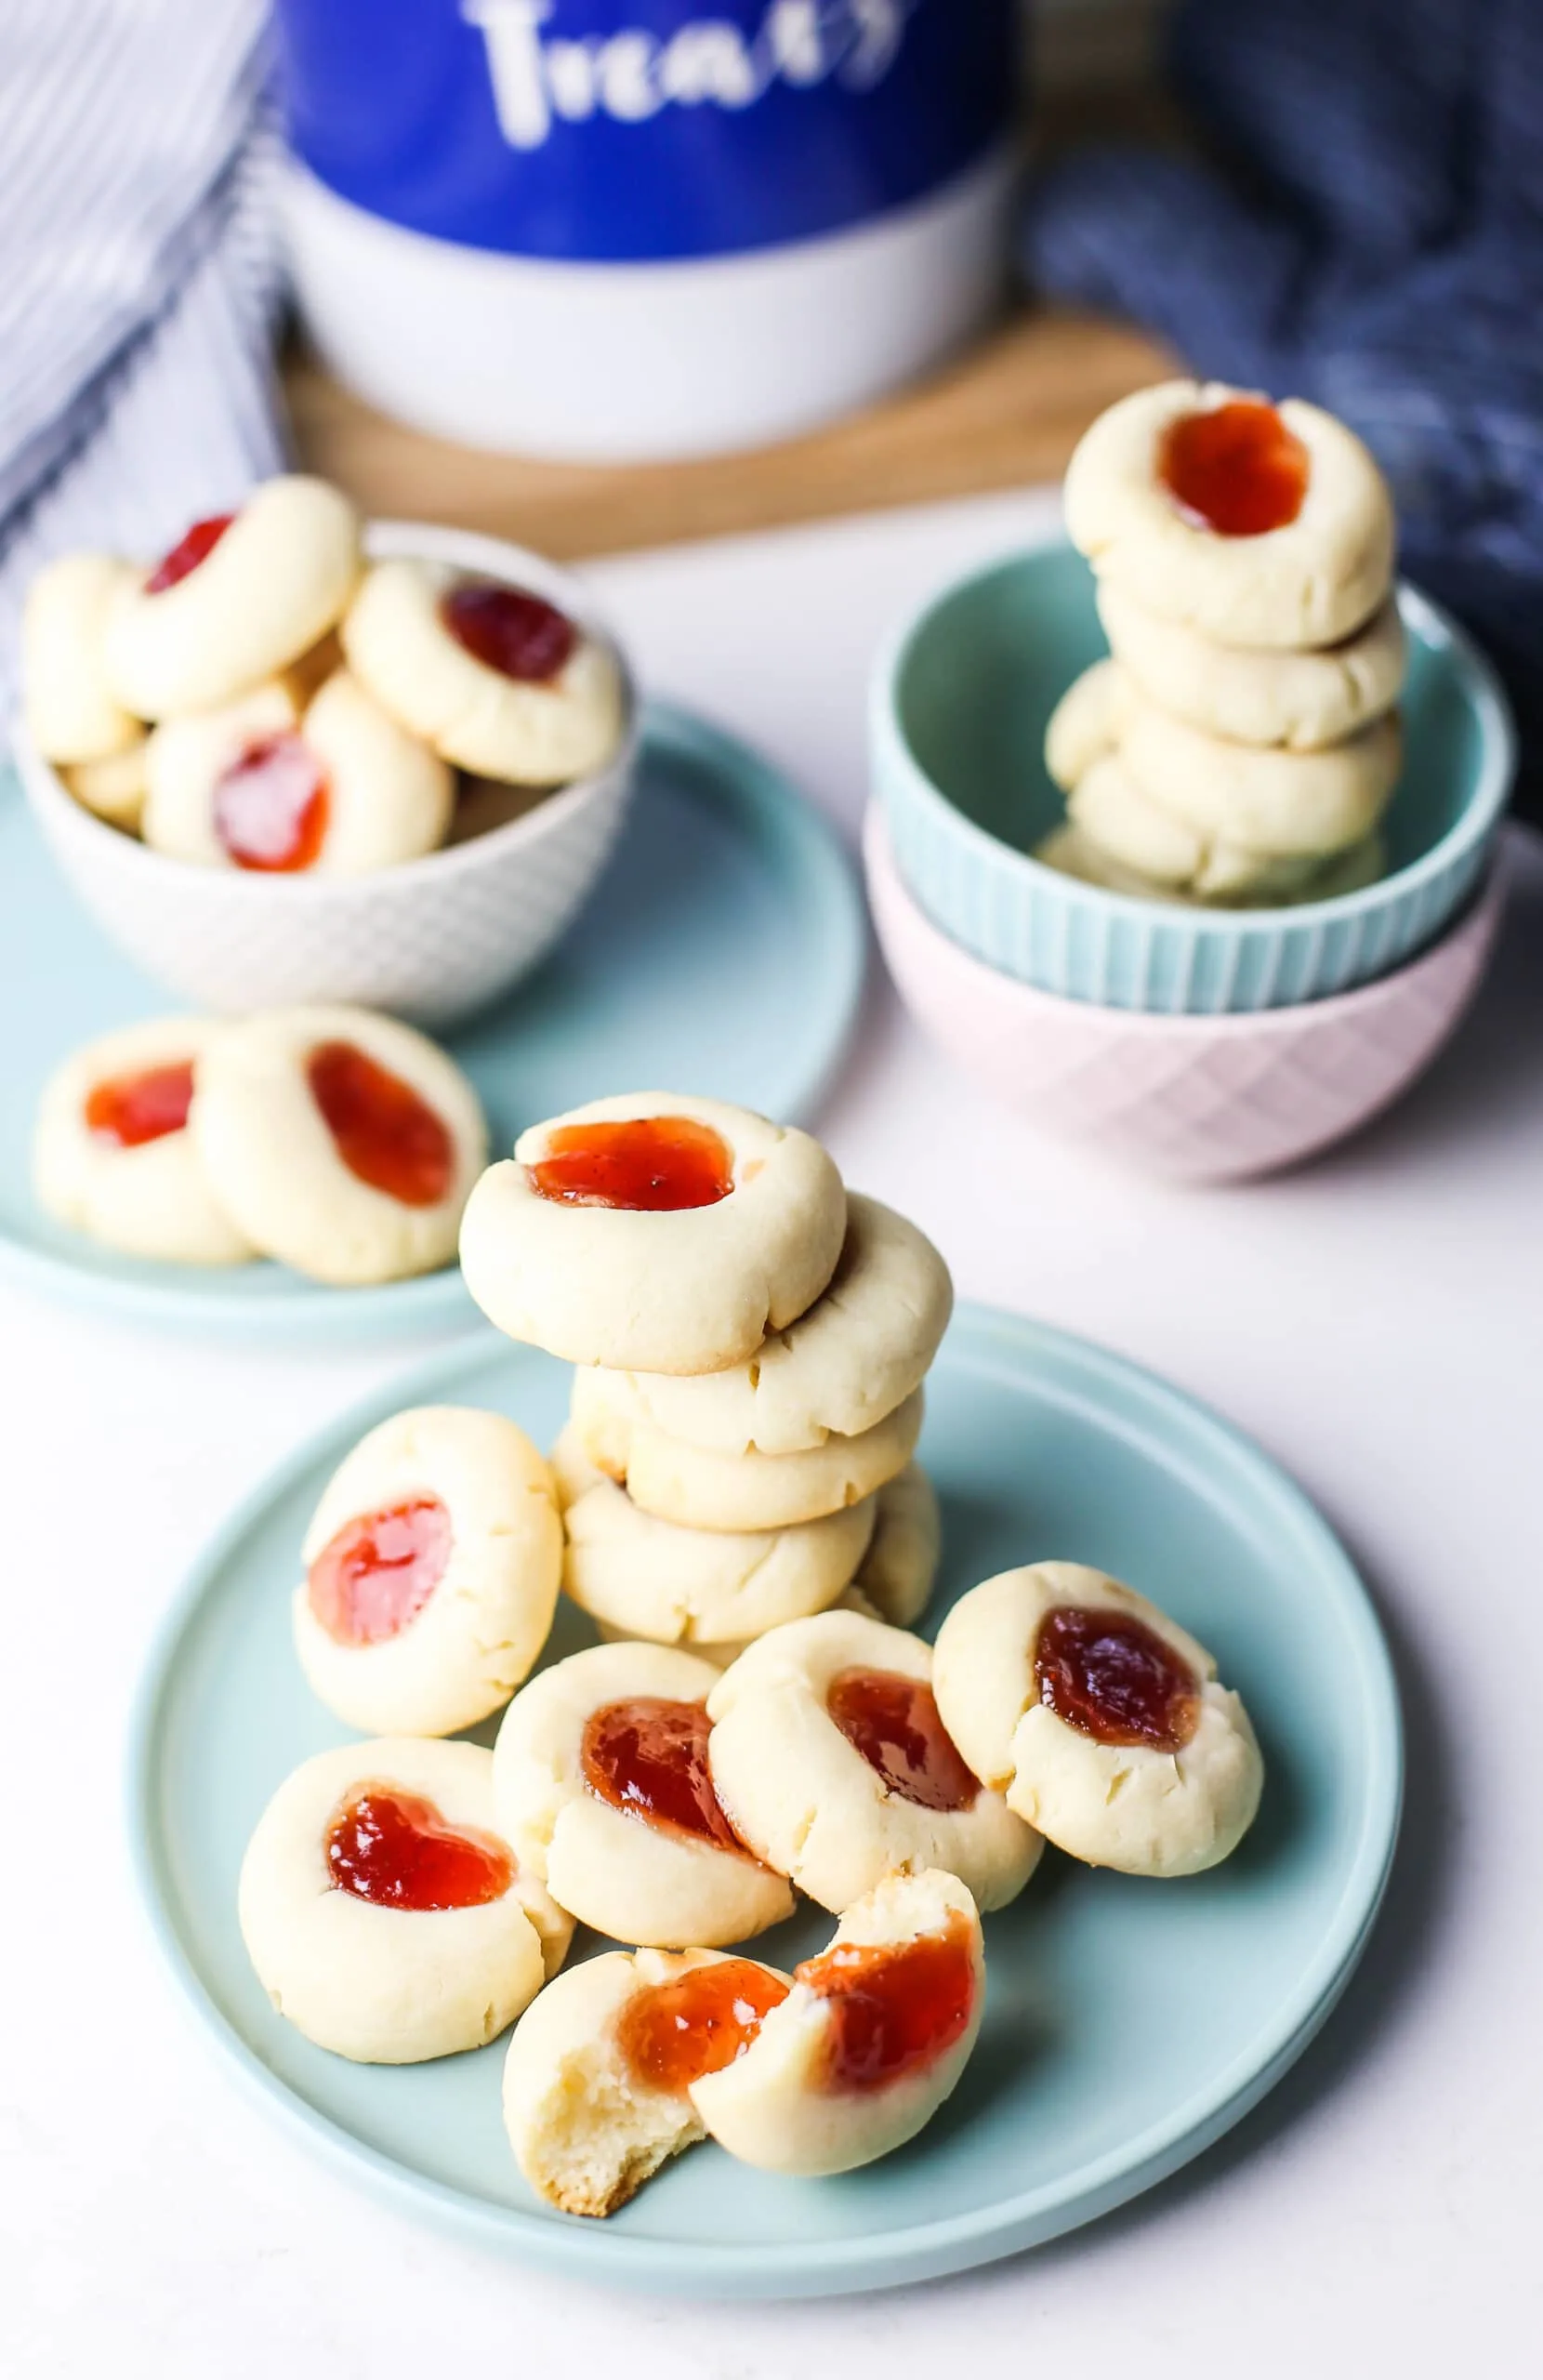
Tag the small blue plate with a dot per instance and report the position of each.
(1127, 2022)
(723, 951)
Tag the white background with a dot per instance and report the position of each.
(1376, 1320)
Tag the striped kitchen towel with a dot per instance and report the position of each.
(139, 276)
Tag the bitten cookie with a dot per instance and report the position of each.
(828, 1753)
(869, 2043)
(495, 677)
(603, 1789)
(432, 1564)
(682, 1483)
(597, 2078)
(386, 1916)
(1304, 700)
(653, 1231)
(341, 1141)
(1257, 524)
(650, 1578)
(235, 601)
(1100, 1718)
(857, 1354)
(113, 1154)
(71, 712)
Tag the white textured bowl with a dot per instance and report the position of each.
(434, 939)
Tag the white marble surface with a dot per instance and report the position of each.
(1376, 1320)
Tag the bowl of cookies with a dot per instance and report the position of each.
(301, 760)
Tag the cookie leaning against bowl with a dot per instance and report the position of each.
(653, 1231)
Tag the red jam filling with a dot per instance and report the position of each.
(673, 2033)
(1236, 470)
(395, 1848)
(649, 1756)
(895, 2008)
(132, 1109)
(650, 1164)
(271, 806)
(1115, 1679)
(893, 1722)
(386, 1134)
(379, 1570)
(508, 629)
(186, 555)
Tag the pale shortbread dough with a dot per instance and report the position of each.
(1304, 700)
(694, 1290)
(1085, 726)
(154, 1200)
(808, 1801)
(1310, 583)
(682, 1483)
(69, 712)
(1134, 1807)
(477, 1637)
(277, 581)
(652, 1579)
(620, 1873)
(1288, 805)
(386, 1986)
(773, 2107)
(274, 1164)
(389, 798)
(1114, 814)
(896, 1575)
(585, 2129)
(1070, 852)
(857, 1354)
(526, 732)
(114, 788)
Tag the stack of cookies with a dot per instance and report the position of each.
(750, 1344)
(1242, 745)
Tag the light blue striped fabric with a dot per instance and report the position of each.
(139, 276)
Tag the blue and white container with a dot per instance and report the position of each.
(614, 229)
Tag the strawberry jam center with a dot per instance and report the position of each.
(508, 629)
(271, 806)
(649, 1756)
(385, 1133)
(379, 1570)
(1236, 470)
(132, 1109)
(189, 551)
(650, 1164)
(894, 2007)
(893, 1722)
(673, 2033)
(1111, 1675)
(396, 1849)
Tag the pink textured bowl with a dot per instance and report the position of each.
(1194, 1098)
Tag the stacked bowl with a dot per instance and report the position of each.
(1199, 1043)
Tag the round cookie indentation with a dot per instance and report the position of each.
(1235, 468)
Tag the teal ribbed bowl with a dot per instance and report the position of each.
(957, 729)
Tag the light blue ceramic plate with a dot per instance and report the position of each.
(723, 952)
(1127, 2022)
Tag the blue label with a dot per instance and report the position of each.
(630, 129)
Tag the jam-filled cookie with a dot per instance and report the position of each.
(1100, 1718)
(1304, 700)
(432, 1564)
(598, 2077)
(71, 711)
(338, 790)
(829, 1755)
(341, 1141)
(858, 1353)
(653, 1231)
(603, 1787)
(1257, 525)
(496, 677)
(869, 2041)
(113, 1156)
(685, 1484)
(652, 1579)
(238, 598)
(385, 1914)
